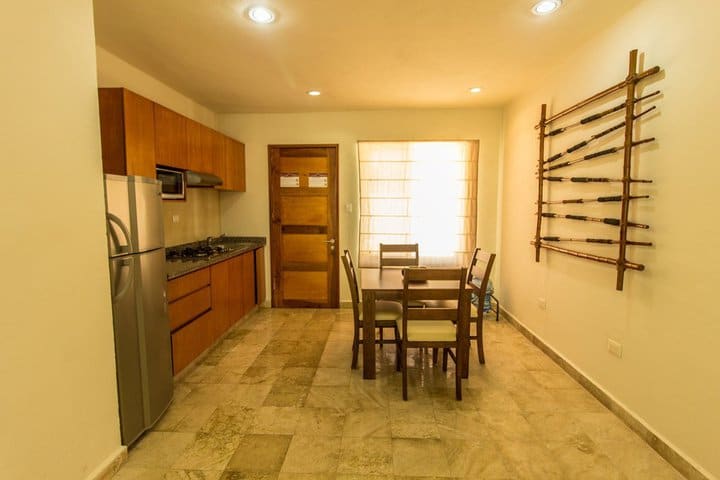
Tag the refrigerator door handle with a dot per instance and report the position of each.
(124, 263)
(124, 229)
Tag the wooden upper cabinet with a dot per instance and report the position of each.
(127, 132)
(218, 156)
(200, 149)
(234, 178)
(171, 141)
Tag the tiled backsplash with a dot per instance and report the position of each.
(198, 217)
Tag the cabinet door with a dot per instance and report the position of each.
(190, 341)
(248, 282)
(260, 276)
(218, 156)
(171, 141)
(139, 135)
(220, 301)
(199, 147)
(235, 289)
(234, 165)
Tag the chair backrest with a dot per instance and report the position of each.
(400, 255)
(352, 283)
(417, 288)
(480, 267)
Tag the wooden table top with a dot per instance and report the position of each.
(391, 280)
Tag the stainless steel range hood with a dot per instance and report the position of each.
(201, 179)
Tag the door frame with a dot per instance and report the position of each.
(333, 226)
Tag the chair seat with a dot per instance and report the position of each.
(428, 330)
(386, 311)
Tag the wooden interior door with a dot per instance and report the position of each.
(304, 225)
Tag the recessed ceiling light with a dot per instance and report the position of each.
(313, 93)
(260, 14)
(475, 90)
(546, 6)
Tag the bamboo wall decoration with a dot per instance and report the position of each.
(546, 165)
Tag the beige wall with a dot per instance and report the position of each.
(199, 214)
(58, 406)
(667, 317)
(247, 213)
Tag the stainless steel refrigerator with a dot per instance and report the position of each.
(139, 302)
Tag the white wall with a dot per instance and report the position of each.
(667, 317)
(113, 71)
(248, 213)
(58, 406)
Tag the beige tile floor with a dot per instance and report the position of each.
(277, 400)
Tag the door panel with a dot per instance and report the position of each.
(307, 286)
(301, 210)
(308, 248)
(304, 218)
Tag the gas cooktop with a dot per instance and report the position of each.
(200, 252)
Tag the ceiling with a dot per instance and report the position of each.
(362, 55)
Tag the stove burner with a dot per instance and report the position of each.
(189, 253)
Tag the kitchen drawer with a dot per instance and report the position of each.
(179, 287)
(190, 341)
(188, 307)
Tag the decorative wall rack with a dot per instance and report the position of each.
(547, 165)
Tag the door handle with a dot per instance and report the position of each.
(332, 244)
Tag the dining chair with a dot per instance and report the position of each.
(386, 312)
(478, 278)
(399, 255)
(431, 327)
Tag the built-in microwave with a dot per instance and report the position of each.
(173, 183)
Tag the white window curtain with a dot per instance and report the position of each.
(419, 192)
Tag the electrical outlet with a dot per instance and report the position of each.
(614, 347)
(176, 219)
(542, 303)
(348, 207)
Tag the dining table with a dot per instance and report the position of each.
(387, 284)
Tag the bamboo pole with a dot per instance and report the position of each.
(589, 256)
(541, 161)
(631, 80)
(604, 93)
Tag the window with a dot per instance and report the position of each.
(422, 192)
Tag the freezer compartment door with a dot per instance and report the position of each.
(146, 213)
(117, 205)
(123, 275)
(134, 214)
(155, 331)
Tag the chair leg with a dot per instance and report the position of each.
(481, 352)
(398, 348)
(458, 381)
(355, 348)
(445, 357)
(404, 373)
(435, 356)
(381, 336)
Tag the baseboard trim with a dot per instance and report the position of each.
(672, 455)
(110, 466)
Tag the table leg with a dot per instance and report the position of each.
(368, 351)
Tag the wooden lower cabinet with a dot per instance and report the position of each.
(219, 275)
(190, 341)
(260, 276)
(200, 314)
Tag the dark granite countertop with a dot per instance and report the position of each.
(235, 246)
